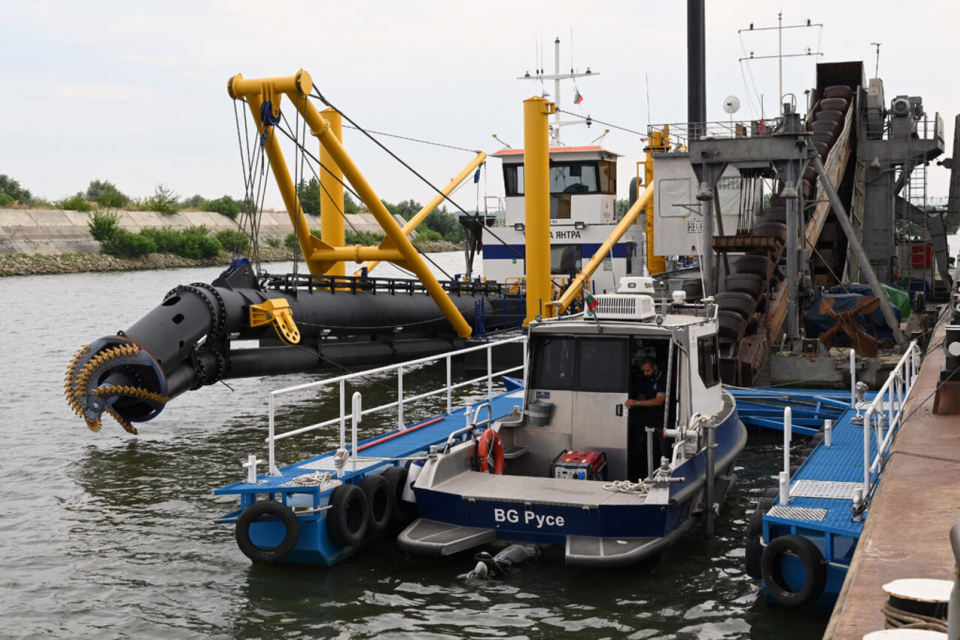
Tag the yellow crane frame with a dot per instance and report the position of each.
(321, 256)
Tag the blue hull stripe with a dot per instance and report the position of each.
(501, 252)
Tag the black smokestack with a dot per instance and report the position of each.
(696, 65)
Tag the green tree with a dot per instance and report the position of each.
(106, 194)
(12, 188)
(74, 203)
(225, 206)
(164, 200)
(309, 194)
(194, 202)
(349, 204)
(408, 208)
(622, 207)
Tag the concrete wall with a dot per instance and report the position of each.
(52, 231)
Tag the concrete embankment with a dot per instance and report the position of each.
(906, 533)
(52, 231)
(48, 241)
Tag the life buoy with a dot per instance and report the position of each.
(380, 500)
(771, 569)
(348, 516)
(267, 509)
(488, 444)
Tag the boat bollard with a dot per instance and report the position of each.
(828, 433)
(784, 487)
(857, 507)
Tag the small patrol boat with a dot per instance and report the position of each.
(574, 465)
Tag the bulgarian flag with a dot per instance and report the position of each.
(577, 98)
(591, 305)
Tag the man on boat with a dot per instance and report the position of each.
(648, 408)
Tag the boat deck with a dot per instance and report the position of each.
(823, 485)
(406, 443)
(548, 491)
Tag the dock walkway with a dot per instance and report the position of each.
(918, 500)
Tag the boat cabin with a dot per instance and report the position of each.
(583, 212)
(583, 372)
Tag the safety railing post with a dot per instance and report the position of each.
(343, 411)
(853, 378)
(449, 387)
(273, 460)
(400, 397)
(357, 410)
(867, 420)
(787, 436)
(490, 371)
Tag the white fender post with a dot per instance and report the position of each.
(787, 436)
(785, 474)
(828, 433)
(355, 420)
(251, 466)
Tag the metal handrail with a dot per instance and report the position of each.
(448, 388)
(888, 407)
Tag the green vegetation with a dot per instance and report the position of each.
(192, 242)
(274, 242)
(309, 194)
(226, 206)
(235, 241)
(13, 192)
(106, 194)
(74, 203)
(164, 200)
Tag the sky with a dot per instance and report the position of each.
(135, 92)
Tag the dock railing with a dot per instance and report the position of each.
(885, 413)
(399, 403)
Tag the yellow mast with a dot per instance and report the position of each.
(331, 195)
(536, 172)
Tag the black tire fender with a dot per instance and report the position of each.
(380, 500)
(348, 516)
(754, 548)
(813, 564)
(267, 509)
(397, 479)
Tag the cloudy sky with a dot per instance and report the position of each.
(135, 92)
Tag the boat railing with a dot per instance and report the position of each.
(399, 369)
(885, 413)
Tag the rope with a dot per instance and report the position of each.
(435, 144)
(317, 478)
(899, 619)
(320, 97)
(606, 124)
(304, 152)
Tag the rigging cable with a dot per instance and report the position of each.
(320, 97)
(305, 152)
(606, 124)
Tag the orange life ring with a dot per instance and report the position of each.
(490, 440)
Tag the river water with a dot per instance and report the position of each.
(110, 535)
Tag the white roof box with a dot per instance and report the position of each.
(636, 284)
(619, 307)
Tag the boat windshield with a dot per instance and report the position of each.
(579, 177)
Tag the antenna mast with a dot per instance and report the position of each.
(780, 55)
(557, 77)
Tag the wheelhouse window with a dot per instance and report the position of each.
(574, 177)
(564, 258)
(513, 179)
(554, 363)
(602, 365)
(608, 177)
(708, 360)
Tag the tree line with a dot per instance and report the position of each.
(441, 224)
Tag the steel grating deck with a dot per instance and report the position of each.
(825, 481)
(402, 446)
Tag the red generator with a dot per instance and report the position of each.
(579, 465)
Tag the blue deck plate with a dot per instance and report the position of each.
(401, 446)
